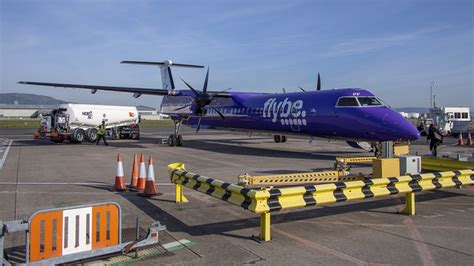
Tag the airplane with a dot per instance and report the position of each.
(352, 114)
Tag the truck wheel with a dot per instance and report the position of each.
(283, 138)
(78, 135)
(136, 136)
(91, 135)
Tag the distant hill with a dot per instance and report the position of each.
(25, 98)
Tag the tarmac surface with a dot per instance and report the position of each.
(38, 175)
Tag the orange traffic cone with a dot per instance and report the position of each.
(134, 180)
(150, 186)
(119, 177)
(469, 138)
(142, 174)
(460, 140)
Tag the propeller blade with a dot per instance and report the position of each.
(303, 90)
(182, 107)
(204, 89)
(199, 124)
(217, 111)
(318, 86)
(191, 88)
(284, 90)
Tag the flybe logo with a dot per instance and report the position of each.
(286, 112)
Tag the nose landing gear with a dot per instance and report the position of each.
(279, 138)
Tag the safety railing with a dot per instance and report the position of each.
(442, 164)
(263, 201)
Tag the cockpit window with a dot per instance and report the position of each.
(369, 101)
(347, 102)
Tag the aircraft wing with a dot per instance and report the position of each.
(149, 91)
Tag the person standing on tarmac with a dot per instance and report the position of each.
(101, 133)
(435, 138)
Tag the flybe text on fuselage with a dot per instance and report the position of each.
(286, 111)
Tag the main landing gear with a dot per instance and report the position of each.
(279, 138)
(176, 139)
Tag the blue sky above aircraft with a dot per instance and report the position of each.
(393, 48)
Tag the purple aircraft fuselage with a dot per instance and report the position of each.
(349, 114)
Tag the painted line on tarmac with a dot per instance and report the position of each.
(211, 160)
(70, 183)
(420, 245)
(4, 157)
(319, 247)
(303, 241)
(387, 225)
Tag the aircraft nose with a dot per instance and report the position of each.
(401, 127)
(411, 132)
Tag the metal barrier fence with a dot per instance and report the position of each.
(64, 235)
(441, 164)
(263, 201)
(247, 180)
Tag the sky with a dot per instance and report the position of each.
(395, 49)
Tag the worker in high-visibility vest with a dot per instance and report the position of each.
(101, 133)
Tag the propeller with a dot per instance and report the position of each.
(201, 100)
(301, 88)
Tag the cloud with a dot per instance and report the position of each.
(359, 46)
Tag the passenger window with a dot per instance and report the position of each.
(347, 101)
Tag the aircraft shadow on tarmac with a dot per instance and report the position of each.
(224, 147)
(222, 228)
(221, 146)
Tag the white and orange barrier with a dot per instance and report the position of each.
(61, 232)
(66, 235)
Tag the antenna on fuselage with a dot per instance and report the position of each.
(318, 83)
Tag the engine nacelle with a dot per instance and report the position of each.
(197, 110)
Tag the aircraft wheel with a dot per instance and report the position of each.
(283, 138)
(277, 138)
(179, 141)
(172, 140)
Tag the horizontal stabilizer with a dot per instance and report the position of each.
(165, 63)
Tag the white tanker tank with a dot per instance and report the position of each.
(80, 122)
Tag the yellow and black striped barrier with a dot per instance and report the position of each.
(263, 201)
(444, 164)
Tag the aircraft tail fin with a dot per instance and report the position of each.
(165, 69)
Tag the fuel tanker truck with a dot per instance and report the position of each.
(79, 122)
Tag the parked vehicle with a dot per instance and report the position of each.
(79, 122)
